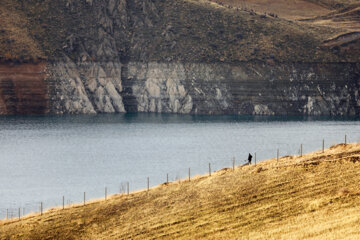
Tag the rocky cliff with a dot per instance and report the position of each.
(246, 88)
(106, 56)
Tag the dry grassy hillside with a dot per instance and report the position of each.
(185, 31)
(283, 8)
(15, 39)
(335, 4)
(311, 197)
(338, 14)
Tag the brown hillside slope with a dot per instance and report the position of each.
(165, 31)
(283, 8)
(16, 41)
(347, 18)
(338, 14)
(334, 4)
(311, 197)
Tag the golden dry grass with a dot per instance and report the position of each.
(316, 196)
(318, 12)
(283, 8)
(15, 40)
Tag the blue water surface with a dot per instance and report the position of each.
(46, 157)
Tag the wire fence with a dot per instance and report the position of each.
(185, 174)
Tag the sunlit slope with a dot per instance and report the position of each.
(342, 15)
(316, 196)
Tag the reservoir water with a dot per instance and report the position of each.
(45, 158)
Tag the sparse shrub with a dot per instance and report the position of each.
(7, 56)
(239, 36)
(214, 46)
(343, 191)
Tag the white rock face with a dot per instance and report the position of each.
(110, 87)
(70, 91)
(309, 106)
(260, 109)
(87, 87)
(159, 87)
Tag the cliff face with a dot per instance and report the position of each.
(181, 57)
(247, 88)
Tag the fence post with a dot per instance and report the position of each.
(301, 150)
(255, 159)
(277, 158)
(23, 211)
(63, 202)
(233, 162)
(128, 188)
(323, 146)
(7, 214)
(148, 183)
(41, 209)
(84, 198)
(209, 169)
(167, 178)
(105, 193)
(189, 174)
(19, 214)
(345, 139)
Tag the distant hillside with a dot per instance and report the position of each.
(182, 30)
(311, 197)
(182, 56)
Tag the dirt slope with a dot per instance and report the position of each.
(311, 197)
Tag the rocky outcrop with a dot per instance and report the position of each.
(247, 88)
(85, 87)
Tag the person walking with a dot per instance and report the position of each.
(250, 158)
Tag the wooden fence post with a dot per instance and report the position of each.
(84, 198)
(255, 159)
(148, 183)
(63, 202)
(19, 214)
(345, 139)
(23, 211)
(41, 209)
(167, 178)
(233, 162)
(323, 145)
(189, 174)
(209, 169)
(277, 155)
(7, 214)
(301, 150)
(128, 191)
(105, 193)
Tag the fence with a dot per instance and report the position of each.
(18, 213)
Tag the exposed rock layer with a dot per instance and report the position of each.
(23, 89)
(247, 88)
